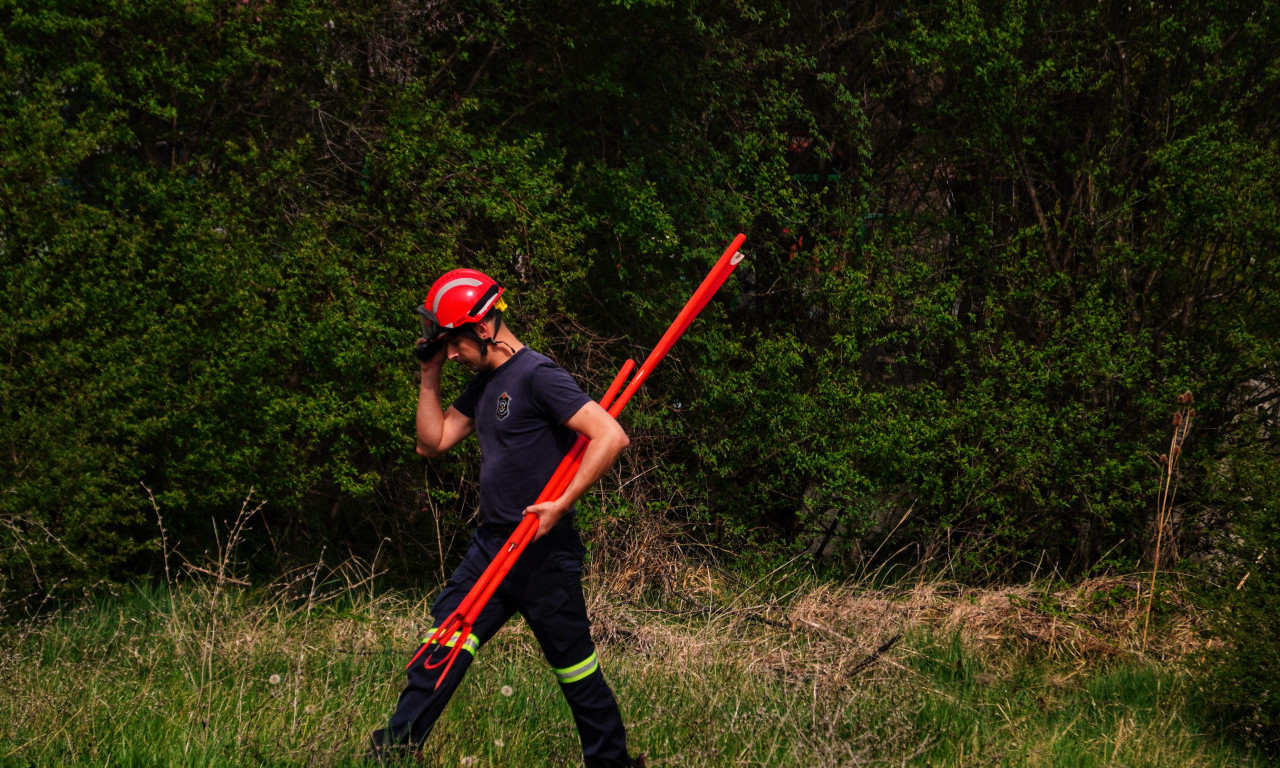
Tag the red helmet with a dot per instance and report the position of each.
(458, 298)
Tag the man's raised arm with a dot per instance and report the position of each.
(438, 430)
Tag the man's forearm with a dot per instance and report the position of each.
(607, 439)
(599, 455)
(430, 419)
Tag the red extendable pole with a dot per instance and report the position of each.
(460, 622)
(710, 284)
(701, 296)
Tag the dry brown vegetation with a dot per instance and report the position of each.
(648, 573)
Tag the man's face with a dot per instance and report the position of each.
(467, 351)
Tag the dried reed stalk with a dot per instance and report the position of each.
(1168, 490)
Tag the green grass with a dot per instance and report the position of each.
(297, 674)
(1123, 713)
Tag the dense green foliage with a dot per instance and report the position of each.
(1242, 681)
(989, 243)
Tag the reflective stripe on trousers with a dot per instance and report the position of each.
(579, 671)
(471, 646)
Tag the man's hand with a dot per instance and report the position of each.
(436, 361)
(549, 513)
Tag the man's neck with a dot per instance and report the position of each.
(505, 347)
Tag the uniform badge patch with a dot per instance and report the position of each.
(504, 406)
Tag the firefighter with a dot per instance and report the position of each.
(526, 411)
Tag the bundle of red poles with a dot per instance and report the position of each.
(460, 622)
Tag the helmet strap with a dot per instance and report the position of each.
(470, 330)
(497, 326)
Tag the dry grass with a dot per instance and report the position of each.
(648, 573)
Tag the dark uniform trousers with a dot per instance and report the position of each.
(545, 587)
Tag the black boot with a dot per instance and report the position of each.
(630, 762)
(382, 753)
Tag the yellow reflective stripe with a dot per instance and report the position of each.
(578, 671)
(472, 645)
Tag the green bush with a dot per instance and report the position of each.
(1240, 675)
(987, 245)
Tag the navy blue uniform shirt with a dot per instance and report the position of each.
(519, 410)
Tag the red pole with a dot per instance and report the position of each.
(710, 284)
(701, 296)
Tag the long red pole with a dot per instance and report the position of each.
(710, 284)
(458, 624)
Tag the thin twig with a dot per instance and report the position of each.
(873, 655)
(220, 577)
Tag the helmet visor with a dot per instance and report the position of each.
(431, 329)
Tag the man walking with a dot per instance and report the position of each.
(526, 411)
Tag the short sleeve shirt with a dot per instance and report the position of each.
(519, 410)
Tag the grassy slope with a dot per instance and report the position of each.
(299, 672)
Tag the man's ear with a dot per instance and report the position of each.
(483, 330)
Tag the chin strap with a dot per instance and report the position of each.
(470, 330)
